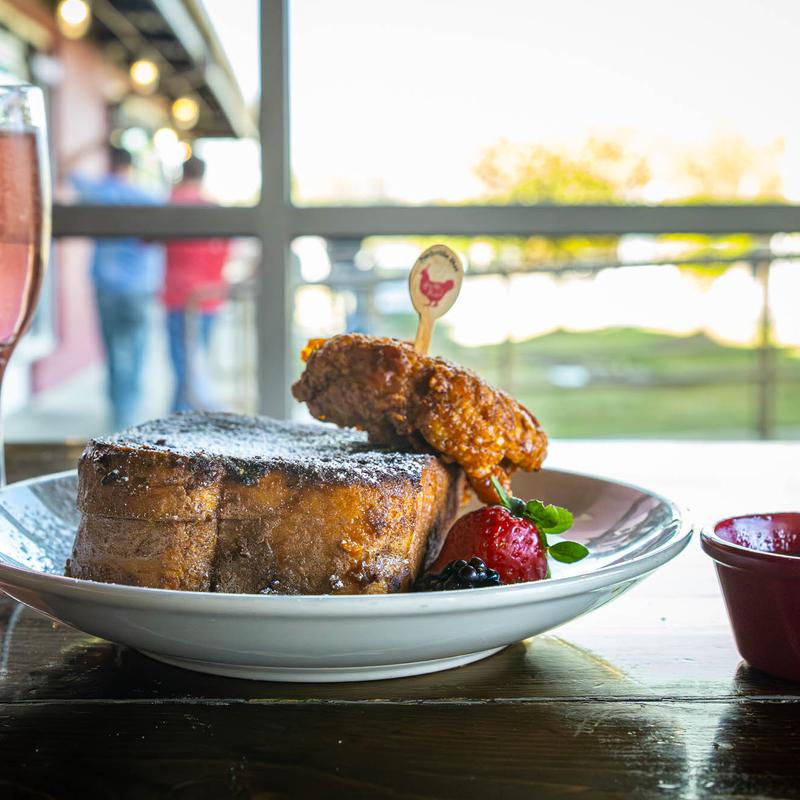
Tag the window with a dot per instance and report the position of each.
(569, 150)
(535, 101)
(159, 84)
(635, 337)
(196, 342)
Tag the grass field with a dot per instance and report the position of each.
(632, 383)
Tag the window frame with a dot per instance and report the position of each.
(275, 221)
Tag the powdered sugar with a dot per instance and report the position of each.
(246, 448)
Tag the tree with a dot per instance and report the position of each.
(730, 169)
(600, 171)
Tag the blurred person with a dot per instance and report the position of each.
(194, 290)
(127, 274)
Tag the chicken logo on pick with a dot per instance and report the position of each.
(435, 280)
(434, 290)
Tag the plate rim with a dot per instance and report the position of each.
(401, 603)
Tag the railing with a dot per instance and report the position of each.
(763, 376)
(231, 365)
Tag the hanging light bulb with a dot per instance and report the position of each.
(73, 17)
(144, 75)
(185, 112)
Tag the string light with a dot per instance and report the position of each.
(73, 17)
(165, 139)
(134, 139)
(185, 112)
(171, 150)
(144, 75)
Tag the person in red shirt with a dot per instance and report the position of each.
(194, 290)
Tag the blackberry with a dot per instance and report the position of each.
(460, 574)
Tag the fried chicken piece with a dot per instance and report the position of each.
(402, 398)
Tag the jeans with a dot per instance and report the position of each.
(124, 320)
(188, 350)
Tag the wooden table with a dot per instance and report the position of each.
(646, 697)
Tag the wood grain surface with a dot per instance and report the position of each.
(646, 697)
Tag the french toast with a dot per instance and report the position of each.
(228, 503)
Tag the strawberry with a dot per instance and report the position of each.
(511, 538)
(504, 542)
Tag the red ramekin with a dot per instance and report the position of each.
(758, 564)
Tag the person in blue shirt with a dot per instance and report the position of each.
(127, 275)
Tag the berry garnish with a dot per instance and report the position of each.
(512, 538)
(548, 519)
(460, 574)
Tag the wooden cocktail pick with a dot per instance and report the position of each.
(434, 284)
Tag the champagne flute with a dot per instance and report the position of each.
(24, 217)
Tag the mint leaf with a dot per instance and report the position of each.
(548, 518)
(505, 500)
(565, 520)
(544, 516)
(568, 552)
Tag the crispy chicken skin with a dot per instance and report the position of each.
(383, 386)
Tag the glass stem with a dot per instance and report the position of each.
(4, 354)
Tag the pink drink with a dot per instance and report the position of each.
(21, 267)
(24, 217)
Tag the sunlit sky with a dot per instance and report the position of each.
(399, 98)
(236, 25)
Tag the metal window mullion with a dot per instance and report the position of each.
(542, 220)
(274, 305)
(154, 222)
(277, 216)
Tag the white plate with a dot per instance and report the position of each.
(629, 531)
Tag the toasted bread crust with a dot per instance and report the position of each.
(165, 555)
(328, 515)
(348, 539)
